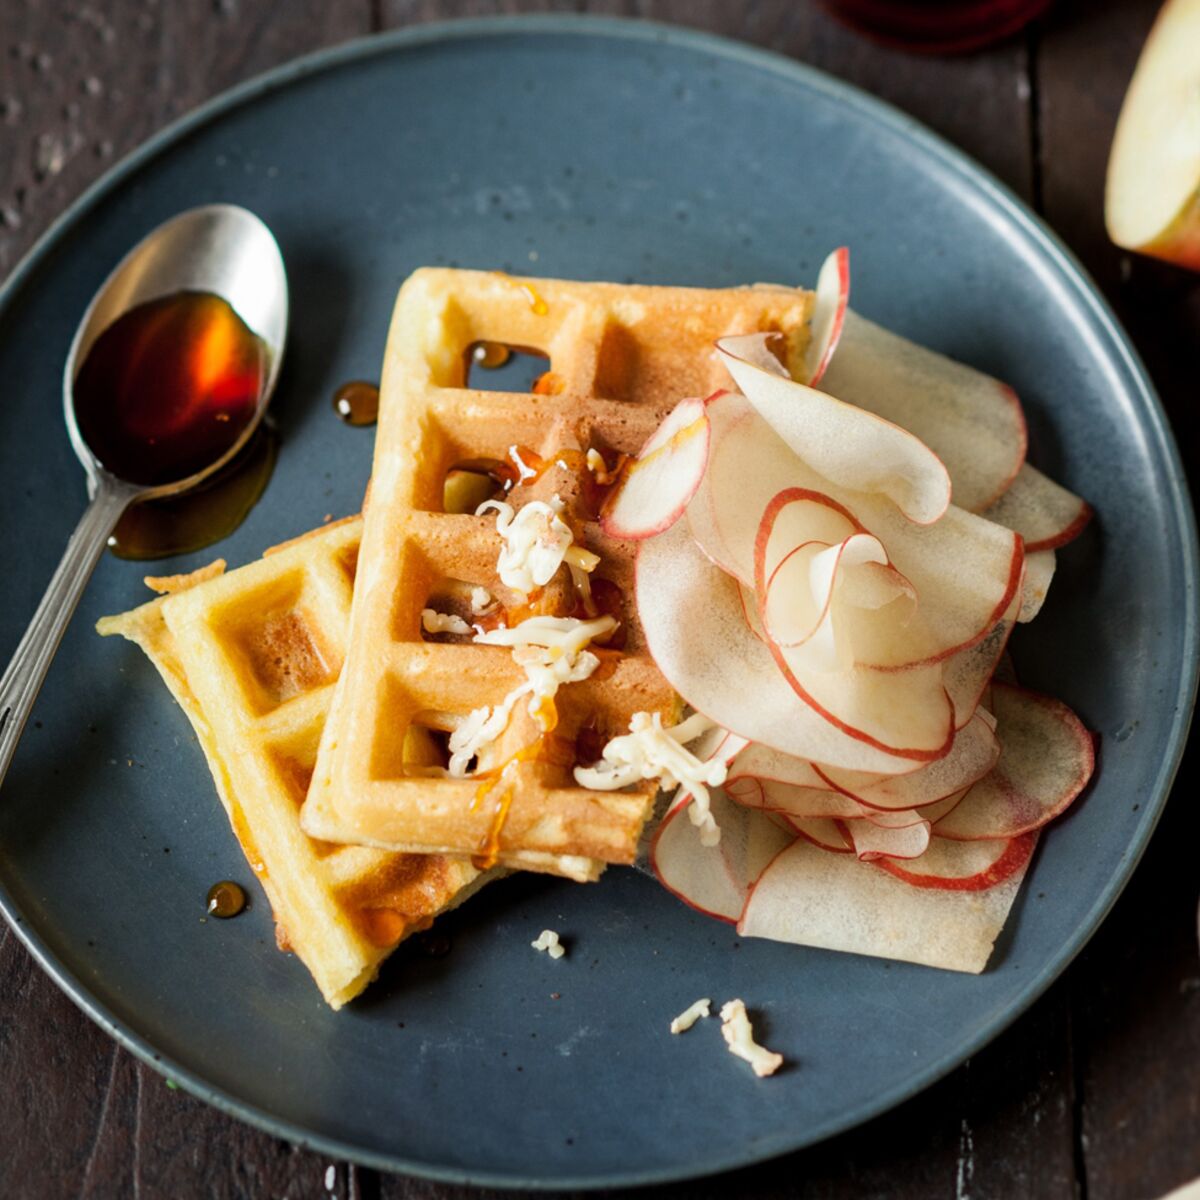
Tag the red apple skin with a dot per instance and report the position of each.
(647, 524)
(842, 258)
(1015, 856)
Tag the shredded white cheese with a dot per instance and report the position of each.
(739, 1037)
(536, 541)
(551, 651)
(689, 1016)
(649, 751)
(524, 471)
(568, 635)
(548, 941)
(595, 461)
(436, 622)
(481, 600)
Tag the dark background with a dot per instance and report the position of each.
(1095, 1093)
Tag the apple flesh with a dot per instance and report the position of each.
(656, 486)
(1152, 196)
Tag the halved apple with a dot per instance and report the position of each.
(1152, 196)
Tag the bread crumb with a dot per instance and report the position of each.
(165, 585)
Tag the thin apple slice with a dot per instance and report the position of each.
(1039, 573)
(750, 610)
(829, 312)
(715, 880)
(790, 800)
(763, 762)
(1152, 196)
(1043, 512)
(974, 866)
(1047, 759)
(810, 897)
(657, 485)
(965, 570)
(968, 672)
(972, 422)
(974, 753)
(820, 831)
(872, 840)
(695, 631)
(842, 442)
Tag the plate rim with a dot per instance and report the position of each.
(1069, 270)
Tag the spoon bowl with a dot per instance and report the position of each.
(220, 250)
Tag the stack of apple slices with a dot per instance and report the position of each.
(805, 581)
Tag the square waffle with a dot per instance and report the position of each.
(620, 359)
(251, 657)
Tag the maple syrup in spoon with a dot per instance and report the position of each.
(167, 378)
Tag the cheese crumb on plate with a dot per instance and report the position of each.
(689, 1016)
(548, 941)
(739, 1037)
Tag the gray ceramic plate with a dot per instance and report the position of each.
(588, 149)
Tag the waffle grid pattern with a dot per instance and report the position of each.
(252, 656)
(621, 357)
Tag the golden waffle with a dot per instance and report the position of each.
(620, 359)
(252, 657)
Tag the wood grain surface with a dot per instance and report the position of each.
(1095, 1093)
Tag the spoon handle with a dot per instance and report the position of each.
(23, 678)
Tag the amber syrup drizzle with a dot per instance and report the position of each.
(203, 515)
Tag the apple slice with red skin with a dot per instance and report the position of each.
(810, 897)
(972, 422)
(871, 841)
(820, 831)
(829, 312)
(655, 487)
(974, 753)
(1043, 512)
(1039, 572)
(964, 570)
(896, 710)
(791, 800)
(843, 442)
(714, 880)
(973, 866)
(762, 762)
(692, 620)
(1048, 756)
(813, 560)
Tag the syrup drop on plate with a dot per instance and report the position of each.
(357, 402)
(225, 899)
(203, 515)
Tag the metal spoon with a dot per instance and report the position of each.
(219, 248)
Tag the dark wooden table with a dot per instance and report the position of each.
(1094, 1093)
